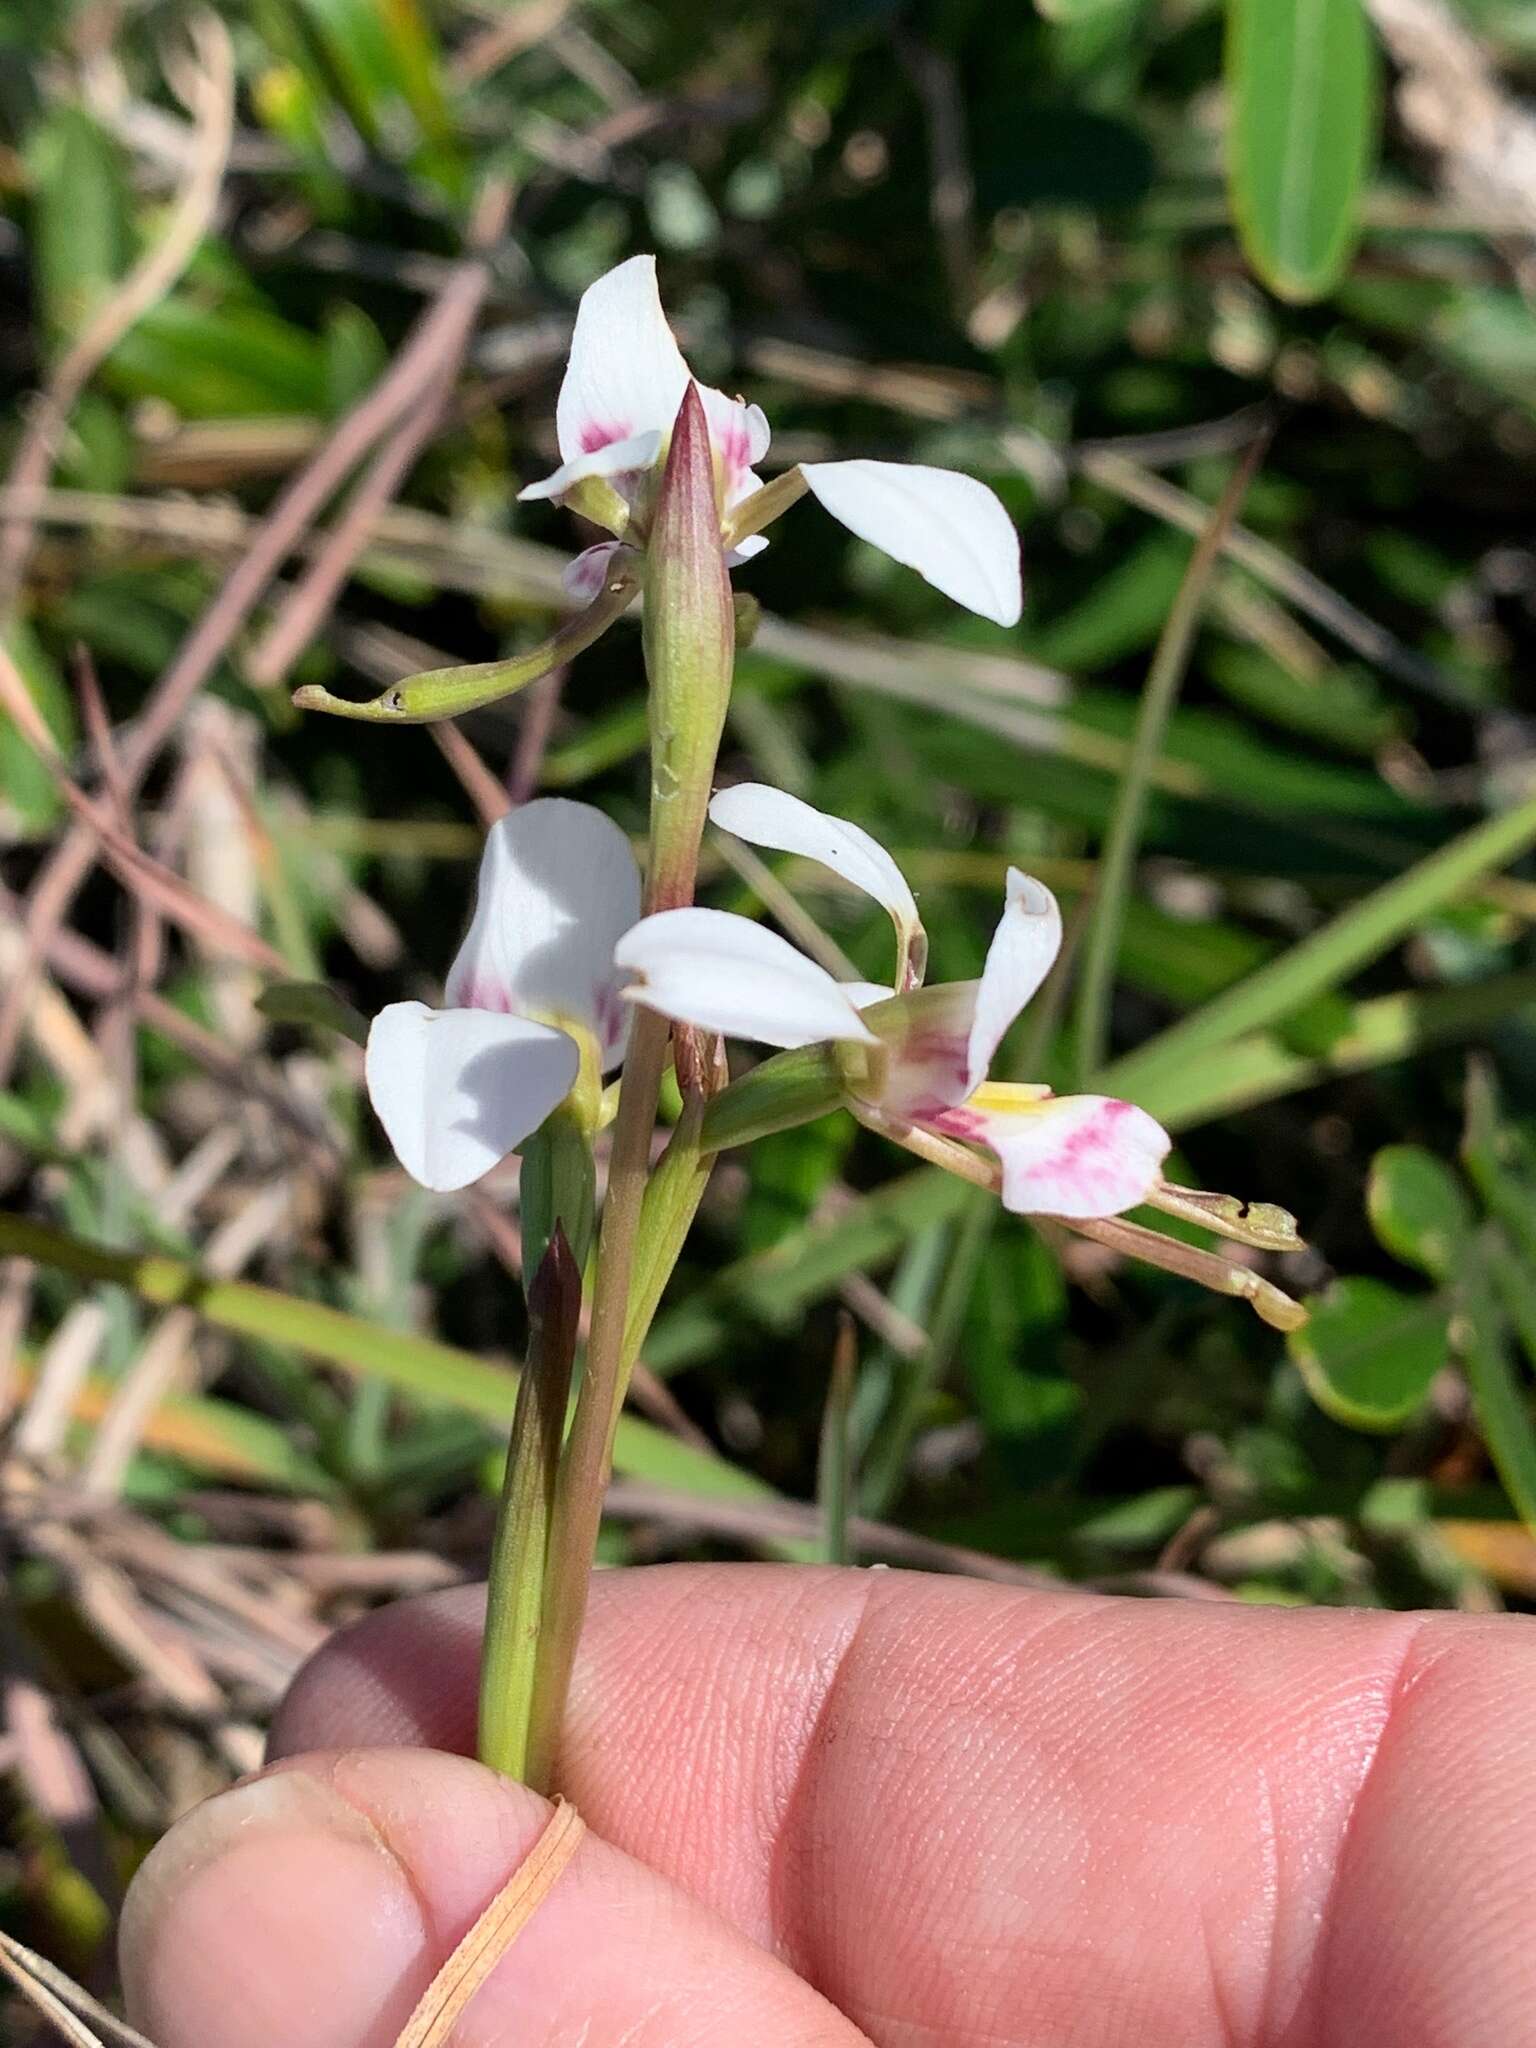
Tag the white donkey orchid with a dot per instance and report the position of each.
(623, 386)
(533, 1008)
(925, 1053)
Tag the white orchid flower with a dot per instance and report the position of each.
(533, 1009)
(919, 1058)
(623, 386)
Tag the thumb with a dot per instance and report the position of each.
(314, 1904)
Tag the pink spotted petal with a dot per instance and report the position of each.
(626, 374)
(1075, 1156)
(738, 434)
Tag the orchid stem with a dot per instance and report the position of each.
(688, 637)
(515, 1592)
(589, 1453)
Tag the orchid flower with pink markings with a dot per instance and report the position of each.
(533, 1013)
(623, 386)
(915, 1059)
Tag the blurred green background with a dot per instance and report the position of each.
(1060, 248)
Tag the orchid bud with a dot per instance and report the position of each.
(690, 637)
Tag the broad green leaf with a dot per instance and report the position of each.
(82, 235)
(1368, 1354)
(1302, 88)
(1418, 1208)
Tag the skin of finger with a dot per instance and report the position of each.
(974, 1814)
(312, 1906)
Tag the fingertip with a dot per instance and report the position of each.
(314, 1905)
(273, 1912)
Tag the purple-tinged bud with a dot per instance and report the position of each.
(690, 639)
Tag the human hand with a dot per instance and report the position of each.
(841, 1807)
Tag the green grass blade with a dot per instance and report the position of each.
(1101, 944)
(834, 1459)
(1501, 1400)
(420, 1366)
(1261, 1068)
(1329, 956)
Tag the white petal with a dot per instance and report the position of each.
(626, 374)
(948, 527)
(457, 1089)
(1079, 1155)
(724, 973)
(617, 459)
(584, 576)
(1024, 945)
(863, 993)
(558, 886)
(765, 816)
(744, 550)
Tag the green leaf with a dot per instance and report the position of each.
(1302, 87)
(313, 1005)
(1418, 1208)
(240, 361)
(82, 237)
(1369, 1353)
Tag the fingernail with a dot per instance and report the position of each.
(274, 1912)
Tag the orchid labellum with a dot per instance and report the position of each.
(916, 1058)
(532, 1014)
(623, 387)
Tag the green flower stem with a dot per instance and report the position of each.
(589, 1454)
(672, 1197)
(518, 1554)
(689, 637)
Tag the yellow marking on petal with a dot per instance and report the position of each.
(585, 1100)
(1008, 1098)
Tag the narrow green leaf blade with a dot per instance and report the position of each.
(1302, 91)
